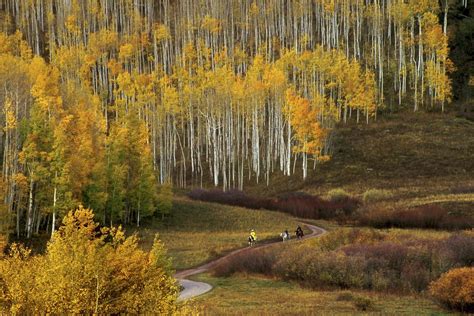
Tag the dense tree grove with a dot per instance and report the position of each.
(103, 99)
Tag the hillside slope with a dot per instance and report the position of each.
(413, 155)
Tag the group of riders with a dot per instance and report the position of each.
(252, 239)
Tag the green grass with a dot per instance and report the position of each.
(197, 232)
(255, 295)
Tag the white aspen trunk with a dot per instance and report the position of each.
(53, 223)
(29, 216)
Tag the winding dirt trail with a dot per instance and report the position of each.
(193, 288)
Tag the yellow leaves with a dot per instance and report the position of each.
(101, 42)
(80, 221)
(455, 287)
(72, 24)
(25, 51)
(126, 85)
(239, 56)
(211, 24)
(15, 45)
(189, 53)
(161, 32)
(238, 89)
(45, 89)
(82, 272)
(257, 87)
(304, 120)
(10, 117)
(324, 158)
(274, 77)
(20, 180)
(69, 59)
(169, 96)
(433, 36)
(254, 10)
(400, 11)
(329, 5)
(114, 66)
(438, 80)
(126, 52)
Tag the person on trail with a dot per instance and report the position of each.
(287, 234)
(299, 232)
(253, 234)
(252, 238)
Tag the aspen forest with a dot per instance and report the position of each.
(145, 144)
(104, 102)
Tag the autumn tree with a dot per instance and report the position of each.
(87, 269)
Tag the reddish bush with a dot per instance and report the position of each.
(297, 204)
(357, 259)
(458, 250)
(428, 216)
(255, 261)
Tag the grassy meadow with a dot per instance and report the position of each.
(256, 295)
(197, 232)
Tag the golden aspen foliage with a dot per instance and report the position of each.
(211, 24)
(308, 131)
(161, 32)
(126, 51)
(88, 270)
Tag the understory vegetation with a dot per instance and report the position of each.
(395, 261)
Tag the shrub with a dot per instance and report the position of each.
(455, 289)
(254, 261)
(363, 303)
(427, 216)
(337, 195)
(358, 258)
(345, 296)
(297, 204)
(463, 189)
(375, 195)
(458, 250)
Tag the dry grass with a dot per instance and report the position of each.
(413, 155)
(255, 295)
(198, 231)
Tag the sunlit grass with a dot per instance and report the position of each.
(255, 295)
(198, 231)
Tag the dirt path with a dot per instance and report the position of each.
(193, 288)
